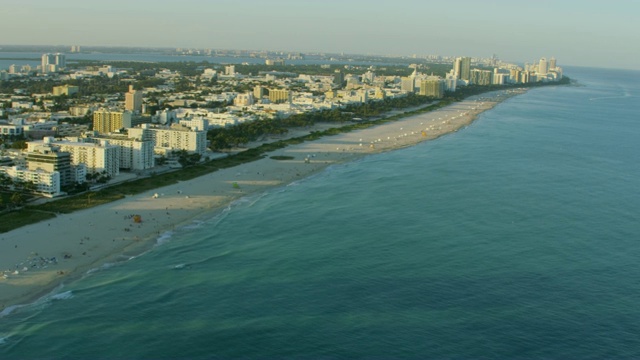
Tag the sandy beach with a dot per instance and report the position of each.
(36, 259)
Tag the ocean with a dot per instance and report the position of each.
(516, 237)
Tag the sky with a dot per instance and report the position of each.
(575, 32)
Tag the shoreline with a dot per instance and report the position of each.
(38, 259)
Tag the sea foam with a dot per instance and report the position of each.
(63, 296)
(165, 237)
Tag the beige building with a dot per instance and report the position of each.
(408, 84)
(277, 96)
(65, 90)
(133, 100)
(432, 87)
(244, 100)
(481, 77)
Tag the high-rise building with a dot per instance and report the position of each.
(47, 183)
(258, 92)
(277, 96)
(543, 67)
(338, 77)
(52, 62)
(93, 157)
(134, 152)
(47, 158)
(481, 77)
(432, 87)
(61, 60)
(230, 70)
(408, 84)
(368, 77)
(106, 121)
(46, 61)
(462, 68)
(97, 158)
(450, 82)
(514, 76)
(177, 137)
(552, 63)
(133, 100)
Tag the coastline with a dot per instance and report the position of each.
(36, 259)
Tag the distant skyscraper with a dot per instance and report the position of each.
(408, 84)
(434, 88)
(338, 77)
(462, 68)
(47, 59)
(53, 62)
(61, 60)
(258, 92)
(481, 77)
(543, 68)
(552, 63)
(133, 100)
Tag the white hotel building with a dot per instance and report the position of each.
(177, 137)
(97, 158)
(47, 183)
(134, 154)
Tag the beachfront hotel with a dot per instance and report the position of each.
(97, 158)
(134, 153)
(177, 137)
(47, 183)
(432, 87)
(48, 158)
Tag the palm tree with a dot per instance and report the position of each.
(5, 181)
(17, 199)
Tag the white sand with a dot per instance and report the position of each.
(107, 233)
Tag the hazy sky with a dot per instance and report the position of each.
(576, 32)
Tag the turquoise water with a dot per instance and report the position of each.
(516, 237)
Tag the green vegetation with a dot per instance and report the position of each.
(281, 157)
(20, 218)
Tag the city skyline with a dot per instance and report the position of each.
(578, 34)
